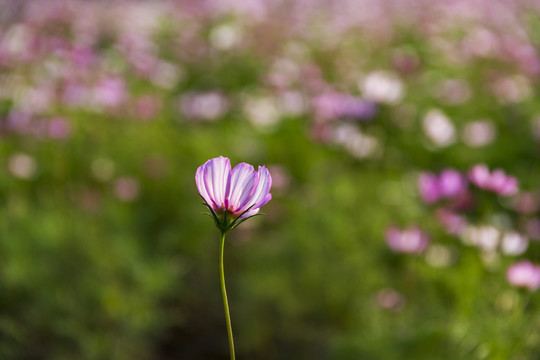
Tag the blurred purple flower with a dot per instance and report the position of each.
(532, 228)
(428, 186)
(58, 128)
(147, 106)
(411, 240)
(126, 188)
(206, 106)
(75, 94)
(497, 181)
(524, 274)
(389, 299)
(449, 184)
(526, 202)
(232, 196)
(83, 57)
(110, 92)
(453, 223)
(330, 106)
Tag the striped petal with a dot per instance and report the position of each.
(250, 213)
(261, 193)
(216, 176)
(199, 179)
(243, 180)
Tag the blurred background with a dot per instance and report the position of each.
(402, 137)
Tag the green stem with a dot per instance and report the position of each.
(225, 302)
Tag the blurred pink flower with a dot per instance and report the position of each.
(281, 178)
(532, 228)
(524, 274)
(526, 203)
(453, 223)
(428, 185)
(411, 240)
(206, 106)
(449, 184)
(127, 189)
(110, 92)
(83, 57)
(147, 106)
(389, 299)
(75, 94)
(497, 181)
(58, 128)
(330, 106)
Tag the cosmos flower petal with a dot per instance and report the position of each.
(261, 190)
(243, 178)
(199, 179)
(250, 213)
(216, 179)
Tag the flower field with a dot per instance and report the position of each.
(403, 142)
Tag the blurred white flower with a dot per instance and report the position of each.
(283, 72)
(35, 99)
(143, 17)
(292, 103)
(204, 106)
(439, 128)
(514, 243)
(166, 75)
(225, 36)
(355, 142)
(479, 133)
(512, 89)
(262, 112)
(453, 91)
(480, 42)
(22, 166)
(17, 40)
(381, 86)
(485, 237)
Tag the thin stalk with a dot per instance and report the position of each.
(225, 301)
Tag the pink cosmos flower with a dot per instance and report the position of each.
(428, 186)
(410, 241)
(449, 184)
(110, 92)
(329, 106)
(497, 181)
(453, 223)
(234, 195)
(524, 274)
